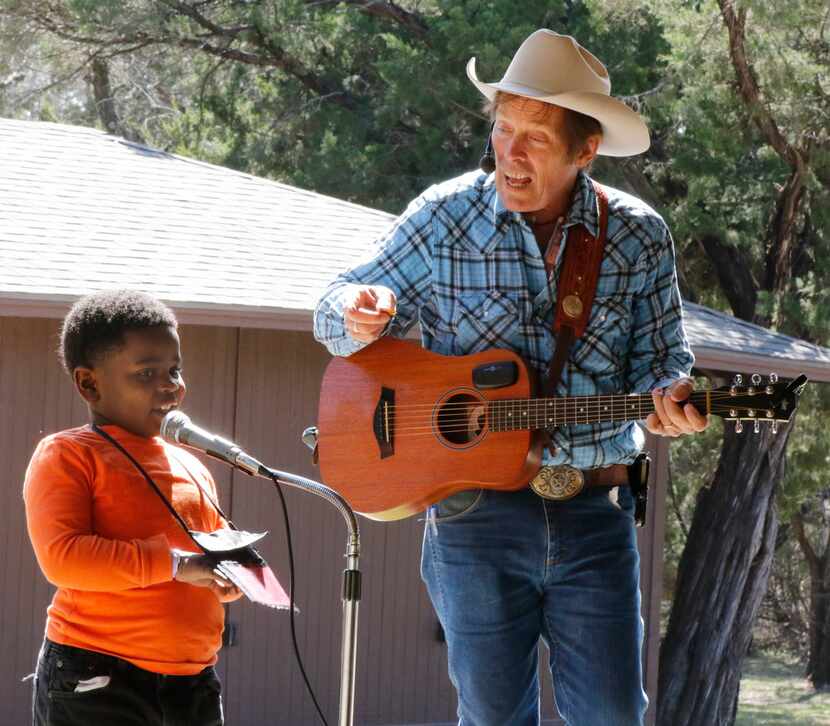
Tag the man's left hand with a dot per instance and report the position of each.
(670, 418)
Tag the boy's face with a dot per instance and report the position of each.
(135, 385)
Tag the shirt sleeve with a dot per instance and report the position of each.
(400, 260)
(660, 352)
(58, 498)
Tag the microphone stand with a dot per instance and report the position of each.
(351, 583)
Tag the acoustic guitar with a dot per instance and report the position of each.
(400, 428)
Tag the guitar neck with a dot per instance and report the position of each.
(537, 413)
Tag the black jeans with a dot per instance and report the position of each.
(76, 687)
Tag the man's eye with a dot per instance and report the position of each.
(147, 373)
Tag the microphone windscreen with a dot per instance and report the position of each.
(172, 424)
(487, 163)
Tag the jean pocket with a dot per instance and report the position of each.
(74, 673)
(458, 505)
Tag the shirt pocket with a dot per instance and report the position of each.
(603, 346)
(483, 320)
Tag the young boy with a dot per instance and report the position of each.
(134, 627)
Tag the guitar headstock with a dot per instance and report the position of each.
(771, 401)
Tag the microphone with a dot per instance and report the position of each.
(177, 428)
(487, 162)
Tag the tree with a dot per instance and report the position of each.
(804, 603)
(731, 142)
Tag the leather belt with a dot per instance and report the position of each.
(561, 483)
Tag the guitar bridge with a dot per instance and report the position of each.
(384, 422)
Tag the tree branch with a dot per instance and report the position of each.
(413, 22)
(782, 230)
(734, 275)
(797, 523)
(748, 85)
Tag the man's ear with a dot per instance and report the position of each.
(589, 151)
(86, 383)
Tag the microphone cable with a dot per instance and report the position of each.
(292, 624)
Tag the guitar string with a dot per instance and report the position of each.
(696, 397)
(576, 412)
(428, 426)
(463, 415)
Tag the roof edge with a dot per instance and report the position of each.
(235, 316)
(723, 360)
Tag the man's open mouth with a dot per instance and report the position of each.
(516, 181)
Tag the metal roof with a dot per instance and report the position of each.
(82, 211)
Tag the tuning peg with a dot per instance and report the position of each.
(738, 380)
(773, 378)
(739, 426)
(756, 379)
(757, 427)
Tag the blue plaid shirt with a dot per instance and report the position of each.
(471, 272)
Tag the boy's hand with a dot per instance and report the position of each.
(199, 570)
(368, 311)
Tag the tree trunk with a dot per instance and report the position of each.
(721, 582)
(818, 658)
(819, 674)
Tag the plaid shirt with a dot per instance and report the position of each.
(470, 271)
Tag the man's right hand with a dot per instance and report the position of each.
(368, 311)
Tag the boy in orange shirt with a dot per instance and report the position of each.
(135, 625)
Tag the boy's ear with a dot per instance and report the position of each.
(86, 384)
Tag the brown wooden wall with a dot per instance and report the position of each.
(259, 388)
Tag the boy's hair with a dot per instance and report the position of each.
(96, 324)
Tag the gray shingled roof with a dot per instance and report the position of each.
(722, 342)
(82, 211)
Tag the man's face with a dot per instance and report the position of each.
(534, 170)
(134, 386)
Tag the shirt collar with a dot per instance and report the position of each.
(582, 210)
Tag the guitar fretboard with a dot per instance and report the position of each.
(537, 413)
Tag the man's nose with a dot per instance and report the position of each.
(516, 148)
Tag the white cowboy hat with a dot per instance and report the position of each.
(555, 69)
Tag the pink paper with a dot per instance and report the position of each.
(259, 584)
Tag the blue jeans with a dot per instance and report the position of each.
(505, 568)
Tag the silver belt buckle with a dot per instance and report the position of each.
(558, 483)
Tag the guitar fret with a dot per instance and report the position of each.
(538, 413)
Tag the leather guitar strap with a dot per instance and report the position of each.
(577, 287)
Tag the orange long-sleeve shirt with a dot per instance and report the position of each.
(103, 537)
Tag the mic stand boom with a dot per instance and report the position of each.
(351, 584)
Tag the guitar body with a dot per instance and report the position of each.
(401, 428)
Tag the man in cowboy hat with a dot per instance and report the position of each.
(476, 260)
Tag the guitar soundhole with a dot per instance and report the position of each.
(461, 419)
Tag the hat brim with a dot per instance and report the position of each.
(624, 133)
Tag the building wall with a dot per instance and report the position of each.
(260, 388)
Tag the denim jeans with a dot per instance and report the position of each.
(504, 569)
(77, 687)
